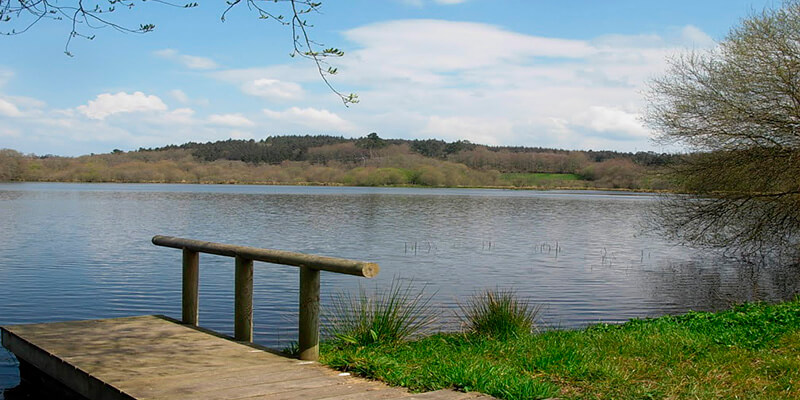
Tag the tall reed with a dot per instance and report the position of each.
(499, 313)
(386, 316)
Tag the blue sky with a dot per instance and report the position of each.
(567, 74)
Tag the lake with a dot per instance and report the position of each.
(83, 251)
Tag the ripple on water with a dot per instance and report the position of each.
(83, 251)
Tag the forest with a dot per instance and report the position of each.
(366, 161)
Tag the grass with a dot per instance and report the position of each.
(389, 317)
(498, 313)
(749, 352)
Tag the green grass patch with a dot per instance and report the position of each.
(525, 179)
(750, 352)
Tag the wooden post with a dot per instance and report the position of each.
(243, 300)
(308, 340)
(191, 278)
(310, 265)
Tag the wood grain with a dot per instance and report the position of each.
(153, 357)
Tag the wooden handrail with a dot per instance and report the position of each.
(310, 265)
(321, 263)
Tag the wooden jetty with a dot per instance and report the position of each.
(156, 357)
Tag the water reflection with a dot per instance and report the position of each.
(9, 374)
(711, 289)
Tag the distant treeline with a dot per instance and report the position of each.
(370, 160)
(322, 149)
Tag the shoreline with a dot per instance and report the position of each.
(335, 184)
(751, 350)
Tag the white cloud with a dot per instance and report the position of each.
(294, 71)
(491, 85)
(182, 116)
(5, 76)
(20, 106)
(108, 104)
(9, 109)
(608, 120)
(476, 130)
(138, 120)
(277, 83)
(273, 89)
(66, 132)
(616, 41)
(191, 62)
(241, 135)
(436, 46)
(179, 95)
(27, 103)
(415, 78)
(194, 62)
(183, 98)
(234, 120)
(322, 120)
(693, 36)
(10, 133)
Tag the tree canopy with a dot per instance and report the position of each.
(737, 108)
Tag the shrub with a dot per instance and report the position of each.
(614, 173)
(386, 317)
(429, 176)
(371, 176)
(499, 313)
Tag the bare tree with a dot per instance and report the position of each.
(84, 17)
(737, 108)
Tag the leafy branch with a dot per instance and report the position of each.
(28, 13)
(25, 14)
(303, 45)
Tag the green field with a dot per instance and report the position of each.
(749, 352)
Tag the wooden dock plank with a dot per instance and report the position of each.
(152, 357)
(215, 382)
(345, 388)
(447, 395)
(298, 384)
(374, 394)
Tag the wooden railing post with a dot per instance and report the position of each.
(243, 300)
(310, 266)
(191, 278)
(308, 340)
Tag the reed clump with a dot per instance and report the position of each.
(381, 317)
(499, 313)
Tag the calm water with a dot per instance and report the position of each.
(82, 251)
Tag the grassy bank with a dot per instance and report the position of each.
(749, 352)
(245, 162)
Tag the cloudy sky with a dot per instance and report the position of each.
(568, 74)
